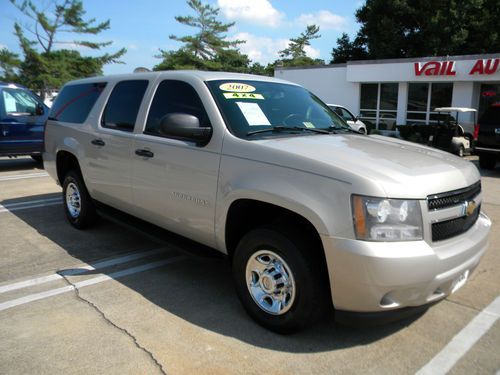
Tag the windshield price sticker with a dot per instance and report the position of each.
(253, 114)
(308, 124)
(236, 87)
(235, 95)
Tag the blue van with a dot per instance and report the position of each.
(22, 121)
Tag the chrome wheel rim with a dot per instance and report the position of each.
(73, 200)
(270, 282)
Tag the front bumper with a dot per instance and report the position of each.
(381, 276)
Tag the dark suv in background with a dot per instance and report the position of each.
(22, 120)
(488, 137)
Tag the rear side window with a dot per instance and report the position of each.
(75, 102)
(174, 97)
(123, 105)
(491, 116)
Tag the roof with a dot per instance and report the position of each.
(201, 75)
(12, 85)
(454, 109)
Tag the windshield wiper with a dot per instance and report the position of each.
(279, 129)
(334, 129)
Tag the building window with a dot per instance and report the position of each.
(379, 103)
(423, 98)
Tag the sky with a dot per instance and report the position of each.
(143, 27)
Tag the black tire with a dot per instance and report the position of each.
(461, 151)
(487, 161)
(311, 297)
(86, 215)
(37, 158)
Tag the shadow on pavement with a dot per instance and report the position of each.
(19, 164)
(198, 289)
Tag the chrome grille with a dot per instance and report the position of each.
(451, 228)
(453, 198)
(461, 221)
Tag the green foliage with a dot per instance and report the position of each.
(295, 53)
(9, 65)
(347, 50)
(414, 28)
(208, 49)
(52, 68)
(296, 47)
(55, 68)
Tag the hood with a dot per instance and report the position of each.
(400, 169)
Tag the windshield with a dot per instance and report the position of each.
(252, 107)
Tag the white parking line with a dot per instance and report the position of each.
(23, 176)
(9, 207)
(88, 282)
(79, 270)
(463, 341)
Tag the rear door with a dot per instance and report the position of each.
(21, 129)
(109, 148)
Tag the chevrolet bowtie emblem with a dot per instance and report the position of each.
(469, 207)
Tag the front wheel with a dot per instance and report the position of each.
(278, 280)
(78, 204)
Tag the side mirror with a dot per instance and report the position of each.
(185, 127)
(39, 110)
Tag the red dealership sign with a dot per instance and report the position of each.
(486, 66)
(435, 68)
(447, 68)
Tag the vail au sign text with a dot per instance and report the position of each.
(447, 68)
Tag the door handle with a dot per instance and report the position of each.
(98, 142)
(144, 153)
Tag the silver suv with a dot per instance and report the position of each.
(309, 212)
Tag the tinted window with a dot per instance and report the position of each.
(491, 116)
(18, 102)
(369, 93)
(123, 105)
(174, 97)
(389, 96)
(251, 106)
(417, 96)
(74, 102)
(441, 94)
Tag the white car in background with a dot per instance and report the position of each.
(351, 120)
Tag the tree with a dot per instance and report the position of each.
(59, 17)
(347, 50)
(9, 65)
(209, 48)
(295, 53)
(414, 28)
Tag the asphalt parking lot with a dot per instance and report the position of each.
(111, 300)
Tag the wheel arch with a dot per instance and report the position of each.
(66, 161)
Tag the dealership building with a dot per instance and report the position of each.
(404, 91)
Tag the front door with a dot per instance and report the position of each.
(21, 127)
(174, 182)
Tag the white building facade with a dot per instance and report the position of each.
(403, 91)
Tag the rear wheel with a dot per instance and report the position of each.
(461, 151)
(278, 280)
(78, 204)
(487, 161)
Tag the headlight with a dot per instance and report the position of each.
(379, 219)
